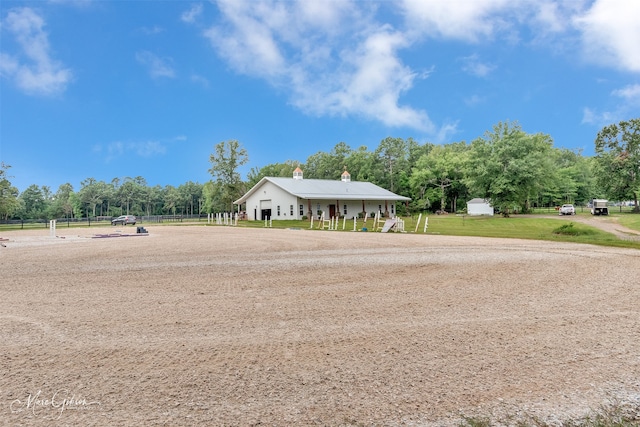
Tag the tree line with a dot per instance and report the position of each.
(516, 170)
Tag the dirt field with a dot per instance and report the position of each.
(221, 326)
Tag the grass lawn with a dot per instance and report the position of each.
(524, 228)
(630, 220)
(514, 227)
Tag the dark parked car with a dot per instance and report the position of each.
(124, 220)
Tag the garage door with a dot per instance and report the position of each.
(265, 204)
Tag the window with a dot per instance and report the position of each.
(301, 210)
(379, 208)
(345, 210)
(392, 209)
(278, 210)
(291, 210)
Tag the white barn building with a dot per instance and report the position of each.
(292, 198)
(479, 206)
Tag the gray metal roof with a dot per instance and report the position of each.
(327, 189)
(478, 200)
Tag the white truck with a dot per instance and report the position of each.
(599, 207)
(567, 210)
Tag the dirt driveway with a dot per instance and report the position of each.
(606, 223)
(223, 326)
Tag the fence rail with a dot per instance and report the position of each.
(98, 220)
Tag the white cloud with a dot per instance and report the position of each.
(549, 17)
(593, 117)
(200, 80)
(145, 149)
(80, 3)
(624, 108)
(462, 20)
(8, 65)
(339, 57)
(630, 93)
(473, 100)
(332, 57)
(114, 149)
(473, 65)
(373, 83)
(33, 69)
(611, 33)
(248, 42)
(608, 30)
(190, 16)
(446, 132)
(152, 31)
(158, 67)
(149, 148)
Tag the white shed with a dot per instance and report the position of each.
(479, 206)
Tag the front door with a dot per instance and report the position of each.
(332, 211)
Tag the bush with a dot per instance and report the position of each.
(571, 230)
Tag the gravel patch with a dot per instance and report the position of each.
(231, 326)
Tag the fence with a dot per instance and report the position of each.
(97, 220)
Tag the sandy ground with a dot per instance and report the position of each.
(221, 326)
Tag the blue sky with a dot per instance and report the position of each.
(109, 89)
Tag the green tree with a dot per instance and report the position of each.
(33, 203)
(328, 165)
(130, 191)
(320, 166)
(150, 198)
(362, 165)
(618, 160)
(572, 179)
(274, 169)
(91, 194)
(172, 199)
(228, 156)
(62, 205)
(9, 203)
(191, 193)
(510, 166)
(442, 169)
(393, 155)
(416, 151)
(212, 195)
(77, 205)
